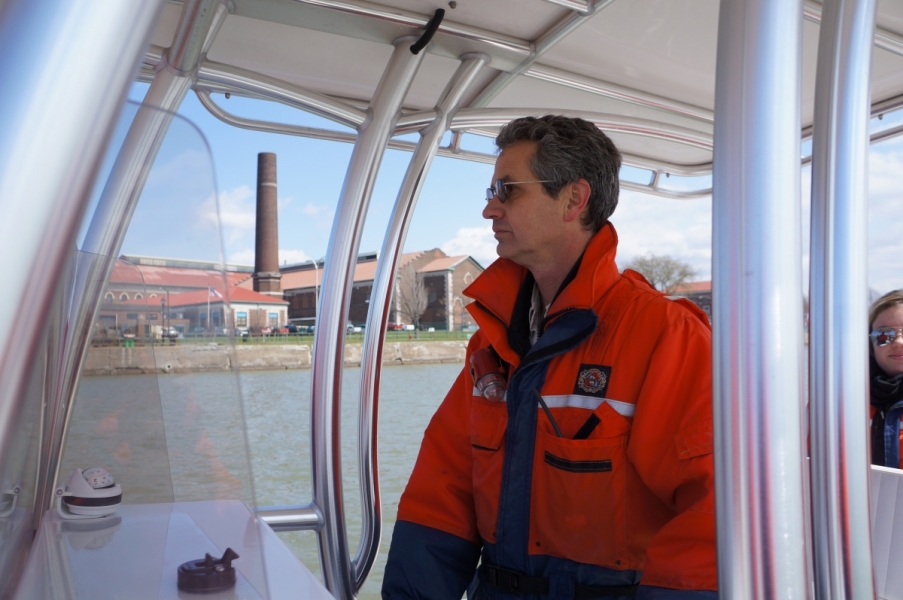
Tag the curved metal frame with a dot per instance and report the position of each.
(619, 92)
(838, 308)
(281, 91)
(51, 159)
(882, 38)
(200, 21)
(380, 304)
(324, 134)
(760, 475)
(329, 342)
(469, 118)
(411, 19)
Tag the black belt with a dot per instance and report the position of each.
(519, 583)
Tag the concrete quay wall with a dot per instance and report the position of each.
(193, 358)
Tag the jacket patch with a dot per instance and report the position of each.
(592, 380)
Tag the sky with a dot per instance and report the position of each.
(204, 159)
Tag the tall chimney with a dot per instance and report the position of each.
(267, 278)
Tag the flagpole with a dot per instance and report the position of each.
(208, 308)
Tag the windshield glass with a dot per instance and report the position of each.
(157, 420)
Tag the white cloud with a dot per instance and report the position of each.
(292, 256)
(681, 229)
(885, 240)
(236, 215)
(478, 242)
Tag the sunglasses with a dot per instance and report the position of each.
(885, 335)
(501, 188)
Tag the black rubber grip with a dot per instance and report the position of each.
(431, 29)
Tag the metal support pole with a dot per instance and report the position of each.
(380, 304)
(57, 113)
(838, 307)
(329, 343)
(761, 483)
(199, 23)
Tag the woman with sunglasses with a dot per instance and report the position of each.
(886, 378)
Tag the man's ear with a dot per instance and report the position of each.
(576, 197)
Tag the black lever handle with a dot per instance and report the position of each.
(431, 29)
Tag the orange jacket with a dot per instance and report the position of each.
(633, 502)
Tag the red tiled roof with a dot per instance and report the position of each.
(236, 295)
(408, 257)
(442, 264)
(294, 280)
(154, 277)
(694, 287)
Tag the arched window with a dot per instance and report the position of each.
(139, 296)
(108, 297)
(468, 278)
(123, 296)
(152, 296)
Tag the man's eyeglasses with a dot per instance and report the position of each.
(885, 335)
(500, 188)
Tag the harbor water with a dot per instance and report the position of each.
(179, 437)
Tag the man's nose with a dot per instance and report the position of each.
(493, 209)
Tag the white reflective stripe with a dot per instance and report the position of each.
(576, 401)
(588, 402)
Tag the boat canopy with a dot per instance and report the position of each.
(722, 93)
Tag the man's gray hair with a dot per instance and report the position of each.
(568, 149)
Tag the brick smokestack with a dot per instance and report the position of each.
(267, 278)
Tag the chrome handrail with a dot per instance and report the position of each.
(398, 16)
(757, 326)
(380, 303)
(496, 117)
(198, 25)
(882, 38)
(303, 517)
(619, 92)
(329, 341)
(318, 133)
(838, 304)
(281, 91)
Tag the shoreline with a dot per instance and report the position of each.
(197, 358)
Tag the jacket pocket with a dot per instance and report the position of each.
(578, 508)
(488, 421)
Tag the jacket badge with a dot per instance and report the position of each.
(592, 380)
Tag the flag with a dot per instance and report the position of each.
(213, 293)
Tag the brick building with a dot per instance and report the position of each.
(699, 293)
(146, 293)
(443, 276)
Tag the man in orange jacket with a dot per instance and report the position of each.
(592, 477)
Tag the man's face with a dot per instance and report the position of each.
(529, 223)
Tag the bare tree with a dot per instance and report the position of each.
(411, 293)
(665, 274)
